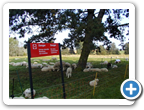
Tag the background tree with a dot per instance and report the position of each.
(85, 25)
(14, 49)
(113, 49)
(126, 51)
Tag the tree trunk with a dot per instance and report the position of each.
(88, 40)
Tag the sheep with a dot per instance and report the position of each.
(35, 65)
(54, 58)
(117, 61)
(46, 60)
(57, 65)
(17, 97)
(104, 69)
(51, 63)
(105, 62)
(36, 60)
(17, 64)
(95, 70)
(74, 65)
(126, 59)
(109, 65)
(114, 66)
(89, 65)
(11, 63)
(86, 70)
(44, 97)
(69, 72)
(49, 68)
(27, 93)
(24, 63)
(94, 82)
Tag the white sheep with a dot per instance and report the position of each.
(89, 65)
(35, 65)
(17, 97)
(114, 66)
(17, 64)
(24, 63)
(104, 69)
(45, 59)
(74, 65)
(86, 70)
(69, 72)
(126, 59)
(44, 97)
(93, 82)
(51, 63)
(117, 61)
(54, 58)
(27, 93)
(49, 68)
(11, 63)
(105, 62)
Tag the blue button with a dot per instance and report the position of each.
(131, 89)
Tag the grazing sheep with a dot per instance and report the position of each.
(93, 82)
(95, 70)
(24, 63)
(54, 58)
(49, 68)
(89, 65)
(44, 97)
(86, 70)
(105, 62)
(69, 72)
(35, 65)
(17, 64)
(17, 97)
(114, 66)
(57, 66)
(126, 59)
(16, 58)
(117, 61)
(109, 65)
(11, 63)
(51, 63)
(27, 93)
(45, 59)
(36, 60)
(104, 69)
(74, 65)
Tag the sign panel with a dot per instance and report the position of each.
(44, 49)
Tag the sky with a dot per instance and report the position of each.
(64, 34)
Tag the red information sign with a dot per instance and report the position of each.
(44, 49)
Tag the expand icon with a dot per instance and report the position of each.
(131, 89)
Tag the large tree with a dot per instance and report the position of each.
(85, 25)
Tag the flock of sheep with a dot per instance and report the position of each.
(51, 66)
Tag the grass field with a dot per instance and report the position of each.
(76, 87)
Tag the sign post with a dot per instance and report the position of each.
(61, 68)
(44, 49)
(29, 65)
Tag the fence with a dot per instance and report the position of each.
(76, 87)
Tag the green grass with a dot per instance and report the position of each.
(76, 87)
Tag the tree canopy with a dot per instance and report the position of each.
(85, 25)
